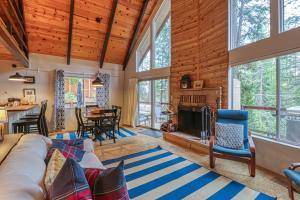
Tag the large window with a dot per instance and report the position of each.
(250, 21)
(79, 91)
(154, 50)
(269, 90)
(291, 14)
(163, 46)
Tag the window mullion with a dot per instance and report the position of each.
(278, 99)
(152, 45)
(275, 19)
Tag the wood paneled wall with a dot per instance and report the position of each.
(200, 45)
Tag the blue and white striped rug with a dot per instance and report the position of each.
(159, 174)
(123, 133)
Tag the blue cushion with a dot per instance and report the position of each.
(234, 117)
(293, 176)
(245, 152)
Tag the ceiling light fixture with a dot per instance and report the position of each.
(97, 82)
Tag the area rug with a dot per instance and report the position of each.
(123, 133)
(151, 133)
(160, 174)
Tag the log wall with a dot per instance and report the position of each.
(200, 46)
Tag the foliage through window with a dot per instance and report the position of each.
(145, 63)
(163, 46)
(291, 14)
(79, 91)
(254, 88)
(250, 21)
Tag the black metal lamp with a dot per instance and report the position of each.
(16, 77)
(97, 82)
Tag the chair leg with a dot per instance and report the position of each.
(212, 160)
(114, 136)
(252, 165)
(291, 192)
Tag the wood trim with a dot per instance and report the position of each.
(108, 32)
(70, 31)
(135, 33)
(12, 46)
(11, 21)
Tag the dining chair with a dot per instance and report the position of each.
(246, 154)
(118, 119)
(293, 177)
(83, 126)
(107, 124)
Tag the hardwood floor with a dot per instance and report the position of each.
(264, 181)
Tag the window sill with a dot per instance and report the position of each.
(275, 142)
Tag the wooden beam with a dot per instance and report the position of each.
(135, 33)
(11, 21)
(18, 17)
(108, 32)
(9, 42)
(70, 31)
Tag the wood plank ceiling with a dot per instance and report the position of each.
(47, 25)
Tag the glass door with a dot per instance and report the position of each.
(153, 100)
(145, 103)
(161, 102)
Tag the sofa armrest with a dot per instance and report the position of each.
(293, 166)
(251, 144)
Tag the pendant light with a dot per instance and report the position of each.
(16, 77)
(97, 82)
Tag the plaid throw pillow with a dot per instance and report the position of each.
(111, 184)
(76, 143)
(68, 151)
(70, 183)
(91, 174)
(230, 135)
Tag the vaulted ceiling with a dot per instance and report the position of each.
(47, 27)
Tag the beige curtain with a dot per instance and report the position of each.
(131, 103)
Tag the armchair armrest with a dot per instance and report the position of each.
(251, 144)
(212, 140)
(293, 166)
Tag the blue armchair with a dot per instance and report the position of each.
(293, 177)
(245, 155)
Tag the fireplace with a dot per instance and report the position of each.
(194, 120)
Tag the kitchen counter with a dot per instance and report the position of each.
(21, 108)
(17, 112)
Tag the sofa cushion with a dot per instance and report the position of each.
(91, 174)
(111, 184)
(88, 144)
(90, 160)
(70, 183)
(24, 161)
(68, 151)
(17, 186)
(33, 142)
(55, 164)
(76, 143)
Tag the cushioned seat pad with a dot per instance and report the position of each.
(234, 152)
(293, 175)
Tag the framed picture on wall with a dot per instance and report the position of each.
(29, 80)
(198, 84)
(29, 95)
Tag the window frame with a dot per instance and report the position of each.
(154, 32)
(277, 108)
(82, 78)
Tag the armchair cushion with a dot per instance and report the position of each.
(244, 152)
(293, 176)
(230, 135)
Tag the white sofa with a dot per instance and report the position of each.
(23, 170)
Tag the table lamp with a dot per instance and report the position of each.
(3, 120)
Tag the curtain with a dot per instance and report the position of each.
(59, 122)
(102, 93)
(131, 103)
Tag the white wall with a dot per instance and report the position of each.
(43, 68)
